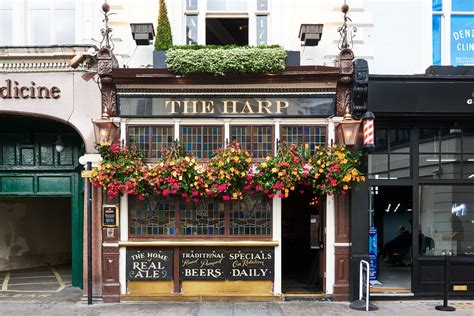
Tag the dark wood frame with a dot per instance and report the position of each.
(226, 236)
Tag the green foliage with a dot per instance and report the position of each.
(221, 60)
(164, 39)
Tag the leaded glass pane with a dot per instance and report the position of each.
(262, 137)
(301, 135)
(202, 218)
(191, 139)
(242, 135)
(140, 137)
(151, 216)
(213, 139)
(250, 216)
(161, 136)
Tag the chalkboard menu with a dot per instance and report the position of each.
(236, 264)
(250, 264)
(110, 215)
(202, 265)
(145, 264)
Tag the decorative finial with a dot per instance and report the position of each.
(106, 31)
(347, 33)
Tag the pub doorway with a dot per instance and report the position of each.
(302, 243)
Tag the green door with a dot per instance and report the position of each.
(30, 166)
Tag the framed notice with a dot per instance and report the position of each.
(250, 264)
(110, 215)
(202, 265)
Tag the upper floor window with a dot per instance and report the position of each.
(227, 22)
(453, 34)
(6, 22)
(51, 22)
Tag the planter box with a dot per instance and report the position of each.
(292, 58)
(159, 57)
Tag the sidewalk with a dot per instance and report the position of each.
(405, 308)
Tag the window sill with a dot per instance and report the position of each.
(185, 243)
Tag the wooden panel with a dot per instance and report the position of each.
(46, 154)
(342, 219)
(54, 184)
(8, 154)
(17, 184)
(147, 288)
(226, 287)
(27, 156)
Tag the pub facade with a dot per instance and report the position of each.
(253, 248)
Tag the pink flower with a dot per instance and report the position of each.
(226, 198)
(271, 196)
(114, 148)
(166, 192)
(281, 195)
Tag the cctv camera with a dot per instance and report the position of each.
(77, 60)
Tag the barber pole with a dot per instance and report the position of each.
(368, 124)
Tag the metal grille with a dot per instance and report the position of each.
(301, 135)
(250, 216)
(151, 216)
(202, 218)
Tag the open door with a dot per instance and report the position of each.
(303, 243)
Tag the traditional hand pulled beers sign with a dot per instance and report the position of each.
(149, 264)
(315, 105)
(198, 265)
(229, 265)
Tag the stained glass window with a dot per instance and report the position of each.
(250, 216)
(202, 218)
(151, 216)
(202, 141)
(150, 140)
(302, 135)
(258, 140)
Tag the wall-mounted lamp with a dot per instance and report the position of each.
(347, 131)
(105, 131)
(142, 33)
(59, 144)
(310, 34)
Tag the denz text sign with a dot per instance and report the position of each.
(147, 264)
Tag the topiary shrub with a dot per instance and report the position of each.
(164, 39)
(221, 60)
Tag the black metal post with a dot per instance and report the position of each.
(445, 307)
(89, 238)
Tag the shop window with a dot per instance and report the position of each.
(446, 220)
(191, 29)
(304, 135)
(227, 31)
(150, 140)
(205, 217)
(250, 216)
(51, 22)
(391, 157)
(258, 140)
(202, 141)
(151, 217)
(446, 153)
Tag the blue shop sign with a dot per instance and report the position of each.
(462, 40)
(373, 252)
